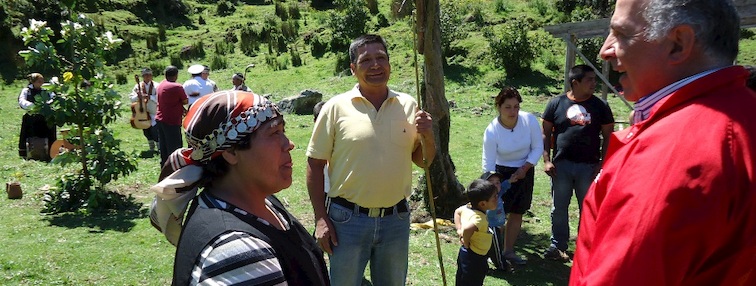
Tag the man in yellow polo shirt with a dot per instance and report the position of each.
(369, 137)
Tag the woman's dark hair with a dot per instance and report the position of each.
(480, 190)
(507, 93)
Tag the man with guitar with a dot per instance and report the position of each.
(146, 90)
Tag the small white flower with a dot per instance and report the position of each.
(54, 80)
(35, 25)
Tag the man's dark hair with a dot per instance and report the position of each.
(362, 41)
(316, 110)
(578, 72)
(171, 71)
(479, 191)
(751, 81)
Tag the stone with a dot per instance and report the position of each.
(301, 104)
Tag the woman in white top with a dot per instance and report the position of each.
(512, 146)
(34, 124)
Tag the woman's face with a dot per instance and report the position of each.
(37, 84)
(509, 108)
(266, 165)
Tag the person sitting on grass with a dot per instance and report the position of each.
(473, 228)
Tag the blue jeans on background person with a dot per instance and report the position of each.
(471, 268)
(382, 241)
(568, 176)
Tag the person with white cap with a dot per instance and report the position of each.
(238, 81)
(148, 89)
(200, 84)
(236, 231)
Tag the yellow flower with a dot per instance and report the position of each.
(67, 76)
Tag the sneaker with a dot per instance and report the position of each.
(554, 253)
(514, 258)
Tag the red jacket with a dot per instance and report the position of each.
(675, 203)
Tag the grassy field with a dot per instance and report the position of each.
(124, 249)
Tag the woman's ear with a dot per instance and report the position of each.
(230, 156)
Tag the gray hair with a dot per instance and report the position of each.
(716, 23)
(362, 41)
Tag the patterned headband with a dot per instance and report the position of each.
(223, 119)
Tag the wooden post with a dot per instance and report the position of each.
(570, 61)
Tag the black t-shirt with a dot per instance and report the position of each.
(577, 126)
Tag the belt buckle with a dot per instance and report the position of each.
(375, 212)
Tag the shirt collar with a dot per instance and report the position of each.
(355, 92)
(645, 104)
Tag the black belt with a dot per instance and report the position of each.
(401, 206)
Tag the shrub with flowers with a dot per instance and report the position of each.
(86, 102)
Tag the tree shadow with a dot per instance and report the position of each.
(460, 74)
(538, 271)
(534, 79)
(115, 220)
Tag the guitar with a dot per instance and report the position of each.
(140, 119)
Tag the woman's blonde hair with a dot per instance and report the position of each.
(34, 77)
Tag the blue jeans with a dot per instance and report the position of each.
(471, 268)
(382, 241)
(568, 176)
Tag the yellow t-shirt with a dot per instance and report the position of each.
(369, 151)
(480, 241)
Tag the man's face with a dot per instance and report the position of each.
(586, 86)
(147, 77)
(372, 67)
(236, 81)
(640, 61)
(205, 74)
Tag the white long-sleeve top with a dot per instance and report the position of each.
(22, 98)
(512, 147)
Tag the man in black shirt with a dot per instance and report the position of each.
(572, 123)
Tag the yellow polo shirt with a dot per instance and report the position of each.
(480, 242)
(369, 151)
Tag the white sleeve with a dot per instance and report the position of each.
(536, 140)
(489, 148)
(134, 93)
(22, 102)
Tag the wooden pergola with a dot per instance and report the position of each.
(571, 32)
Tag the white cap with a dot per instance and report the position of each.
(196, 69)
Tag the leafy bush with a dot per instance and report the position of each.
(347, 23)
(451, 26)
(121, 78)
(158, 67)
(342, 63)
(152, 42)
(225, 8)
(294, 11)
(175, 60)
(201, 21)
(318, 47)
(224, 47)
(250, 40)
(290, 30)
(510, 47)
(218, 62)
(281, 11)
(372, 6)
(296, 59)
(383, 21)
(500, 6)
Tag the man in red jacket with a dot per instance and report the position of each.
(675, 203)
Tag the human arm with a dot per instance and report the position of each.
(424, 125)
(324, 232)
(134, 93)
(22, 101)
(489, 149)
(457, 220)
(254, 260)
(548, 166)
(536, 148)
(467, 232)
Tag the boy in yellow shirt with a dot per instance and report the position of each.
(476, 240)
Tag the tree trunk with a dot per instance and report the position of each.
(446, 189)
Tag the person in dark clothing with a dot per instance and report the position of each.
(237, 231)
(34, 124)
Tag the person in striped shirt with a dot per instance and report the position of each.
(236, 232)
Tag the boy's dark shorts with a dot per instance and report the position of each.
(520, 195)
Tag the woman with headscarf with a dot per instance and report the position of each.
(236, 231)
(33, 124)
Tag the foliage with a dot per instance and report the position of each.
(510, 47)
(294, 11)
(342, 64)
(224, 48)
(372, 6)
(296, 59)
(250, 40)
(86, 101)
(225, 8)
(451, 26)
(398, 12)
(218, 62)
(281, 10)
(347, 23)
(318, 47)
